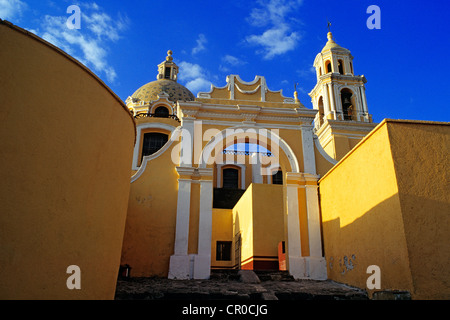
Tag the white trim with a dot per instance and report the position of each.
(202, 261)
(233, 163)
(323, 152)
(174, 137)
(144, 126)
(209, 147)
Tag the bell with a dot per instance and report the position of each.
(347, 100)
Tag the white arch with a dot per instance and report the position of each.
(139, 129)
(174, 137)
(273, 136)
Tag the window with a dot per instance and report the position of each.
(277, 177)
(223, 250)
(162, 112)
(167, 73)
(230, 178)
(347, 104)
(153, 141)
(328, 66)
(341, 66)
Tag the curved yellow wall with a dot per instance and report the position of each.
(66, 143)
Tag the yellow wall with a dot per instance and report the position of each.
(258, 217)
(421, 152)
(243, 224)
(268, 221)
(375, 215)
(67, 143)
(150, 227)
(222, 230)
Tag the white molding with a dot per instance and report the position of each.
(218, 138)
(323, 152)
(144, 126)
(227, 163)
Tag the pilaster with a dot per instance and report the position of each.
(202, 261)
(179, 261)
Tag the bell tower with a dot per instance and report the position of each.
(340, 98)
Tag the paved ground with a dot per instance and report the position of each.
(233, 286)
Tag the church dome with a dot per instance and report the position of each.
(166, 82)
(150, 91)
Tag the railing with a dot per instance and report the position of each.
(153, 115)
(247, 153)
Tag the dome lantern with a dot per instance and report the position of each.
(167, 69)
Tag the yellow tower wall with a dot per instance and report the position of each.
(390, 210)
(66, 143)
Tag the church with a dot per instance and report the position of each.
(173, 185)
(240, 166)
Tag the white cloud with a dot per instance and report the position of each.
(194, 77)
(201, 41)
(11, 9)
(278, 38)
(232, 60)
(89, 44)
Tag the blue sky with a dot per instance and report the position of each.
(405, 62)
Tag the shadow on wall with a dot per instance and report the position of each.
(412, 251)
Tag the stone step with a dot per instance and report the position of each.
(274, 275)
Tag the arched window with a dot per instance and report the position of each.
(347, 104)
(341, 66)
(328, 66)
(321, 110)
(230, 178)
(153, 141)
(162, 112)
(167, 72)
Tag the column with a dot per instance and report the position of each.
(364, 101)
(309, 160)
(333, 102)
(179, 261)
(202, 261)
(296, 263)
(187, 142)
(316, 264)
(256, 168)
(326, 101)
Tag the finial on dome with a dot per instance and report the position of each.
(169, 55)
(329, 34)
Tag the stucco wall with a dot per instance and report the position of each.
(66, 143)
(421, 160)
(152, 209)
(386, 204)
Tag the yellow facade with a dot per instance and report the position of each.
(64, 173)
(391, 209)
(159, 184)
